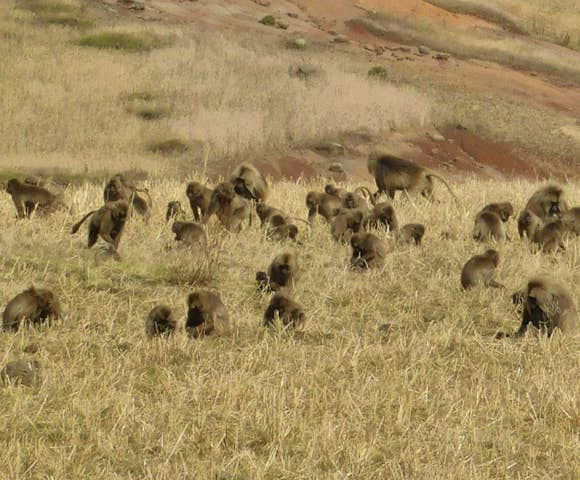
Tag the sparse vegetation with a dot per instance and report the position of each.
(269, 20)
(553, 20)
(516, 52)
(169, 146)
(126, 41)
(379, 72)
(52, 12)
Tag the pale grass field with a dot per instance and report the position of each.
(438, 397)
(525, 53)
(549, 20)
(64, 105)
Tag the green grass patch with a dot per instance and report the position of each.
(378, 72)
(49, 12)
(128, 42)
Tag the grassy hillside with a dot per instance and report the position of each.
(436, 397)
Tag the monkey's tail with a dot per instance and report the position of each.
(442, 180)
(368, 196)
(77, 225)
(301, 220)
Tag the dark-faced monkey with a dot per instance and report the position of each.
(281, 229)
(323, 204)
(383, 215)
(480, 270)
(27, 198)
(281, 273)
(547, 306)
(410, 234)
(230, 208)
(290, 313)
(368, 251)
(120, 188)
(547, 202)
(107, 222)
(160, 321)
(174, 211)
(188, 233)
(35, 306)
(206, 314)
(392, 173)
(199, 197)
(249, 182)
(347, 222)
(488, 225)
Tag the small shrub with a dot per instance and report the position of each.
(48, 12)
(149, 111)
(379, 72)
(268, 20)
(129, 42)
(168, 146)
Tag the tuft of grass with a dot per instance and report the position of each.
(269, 20)
(378, 72)
(128, 42)
(169, 146)
(50, 12)
(148, 110)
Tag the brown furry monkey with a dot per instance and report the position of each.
(160, 321)
(107, 222)
(480, 270)
(34, 305)
(27, 198)
(383, 215)
(119, 188)
(488, 225)
(230, 208)
(206, 314)
(412, 233)
(368, 251)
(173, 211)
(189, 233)
(347, 222)
(281, 273)
(323, 204)
(199, 197)
(547, 306)
(290, 312)
(392, 173)
(249, 182)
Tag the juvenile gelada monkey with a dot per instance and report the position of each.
(480, 270)
(32, 306)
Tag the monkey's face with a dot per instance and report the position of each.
(293, 232)
(277, 220)
(193, 300)
(312, 200)
(193, 191)
(12, 186)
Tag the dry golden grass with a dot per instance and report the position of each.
(514, 51)
(66, 105)
(438, 396)
(553, 20)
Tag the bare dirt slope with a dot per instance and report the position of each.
(317, 22)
